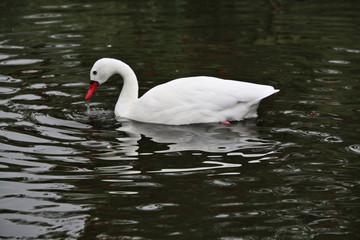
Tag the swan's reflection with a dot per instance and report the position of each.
(213, 137)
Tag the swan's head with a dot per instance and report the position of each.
(101, 71)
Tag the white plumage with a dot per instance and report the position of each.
(181, 101)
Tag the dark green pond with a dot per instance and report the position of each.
(291, 173)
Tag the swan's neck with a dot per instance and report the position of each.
(129, 93)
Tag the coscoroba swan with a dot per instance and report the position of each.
(180, 101)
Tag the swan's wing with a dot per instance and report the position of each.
(188, 99)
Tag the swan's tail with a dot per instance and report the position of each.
(266, 95)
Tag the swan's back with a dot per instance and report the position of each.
(200, 99)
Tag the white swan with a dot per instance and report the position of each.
(181, 101)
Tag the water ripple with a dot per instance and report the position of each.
(326, 137)
(181, 170)
(50, 120)
(42, 16)
(17, 62)
(8, 90)
(9, 79)
(40, 149)
(355, 148)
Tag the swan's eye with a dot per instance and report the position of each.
(94, 72)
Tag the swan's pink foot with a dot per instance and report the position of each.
(225, 122)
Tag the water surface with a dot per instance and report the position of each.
(291, 173)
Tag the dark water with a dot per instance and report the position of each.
(292, 173)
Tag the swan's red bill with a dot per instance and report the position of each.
(92, 89)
